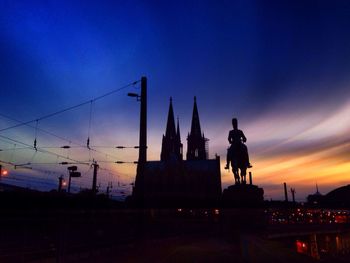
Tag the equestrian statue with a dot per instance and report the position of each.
(237, 154)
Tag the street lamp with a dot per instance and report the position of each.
(143, 120)
(72, 173)
(135, 95)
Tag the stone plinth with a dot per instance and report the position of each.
(243, 195)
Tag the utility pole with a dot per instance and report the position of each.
(60, 183)
(143, 122)
(94, 178)
(293, 194)
(69, 182)
(285, 192)
(139, 181)
(250, 178)
(72, 173)
(109, 187)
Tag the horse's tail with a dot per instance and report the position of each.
(244, 159)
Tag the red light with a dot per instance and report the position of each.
(5, 172)
(301, 247)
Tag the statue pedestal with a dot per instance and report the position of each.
(242, 195)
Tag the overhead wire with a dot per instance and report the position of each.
(34, 147)
(76, 183)
(24, 178)
(13, 153)
(30, 147)
(85, 179)
(6, 162)
(59, 137)
(36, 133)
(25, 165)
(71, 107)
(40, 150)
(39, 129)
(17, 149)
(89, 128)
(68, 140)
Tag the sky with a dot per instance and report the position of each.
(280, 67)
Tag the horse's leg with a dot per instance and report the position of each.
(243, 175)
(237, 178)
(235, 173)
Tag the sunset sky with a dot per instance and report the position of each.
(281, 67)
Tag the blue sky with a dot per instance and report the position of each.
(280, 67)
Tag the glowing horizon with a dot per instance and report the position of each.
(280, 68)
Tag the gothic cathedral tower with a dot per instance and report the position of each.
(171, 143)
(196, 142)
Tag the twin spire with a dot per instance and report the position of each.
(196, 142)
(170, 128)
(172, 148)
(171, 143)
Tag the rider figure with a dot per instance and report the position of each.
(235, 138)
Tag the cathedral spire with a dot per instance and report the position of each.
(195, 126)
(171, 144)
(317, 192)
(178, 130)
(196, 142)
(170, 127)
(179, 145)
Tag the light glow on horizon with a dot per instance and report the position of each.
(290, 97)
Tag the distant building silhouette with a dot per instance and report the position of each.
(174, 182)
(338, 198)
(316, 198)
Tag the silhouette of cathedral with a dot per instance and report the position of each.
(196, 142)
(171, 143)
(173, 181)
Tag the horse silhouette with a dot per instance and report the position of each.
(239, 162)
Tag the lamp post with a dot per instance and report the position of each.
(72, 173)
(143, 120)
(143, 134)
(60, 183)
(94, 178)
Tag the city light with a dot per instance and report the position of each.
(308, 216)
(301, 247)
